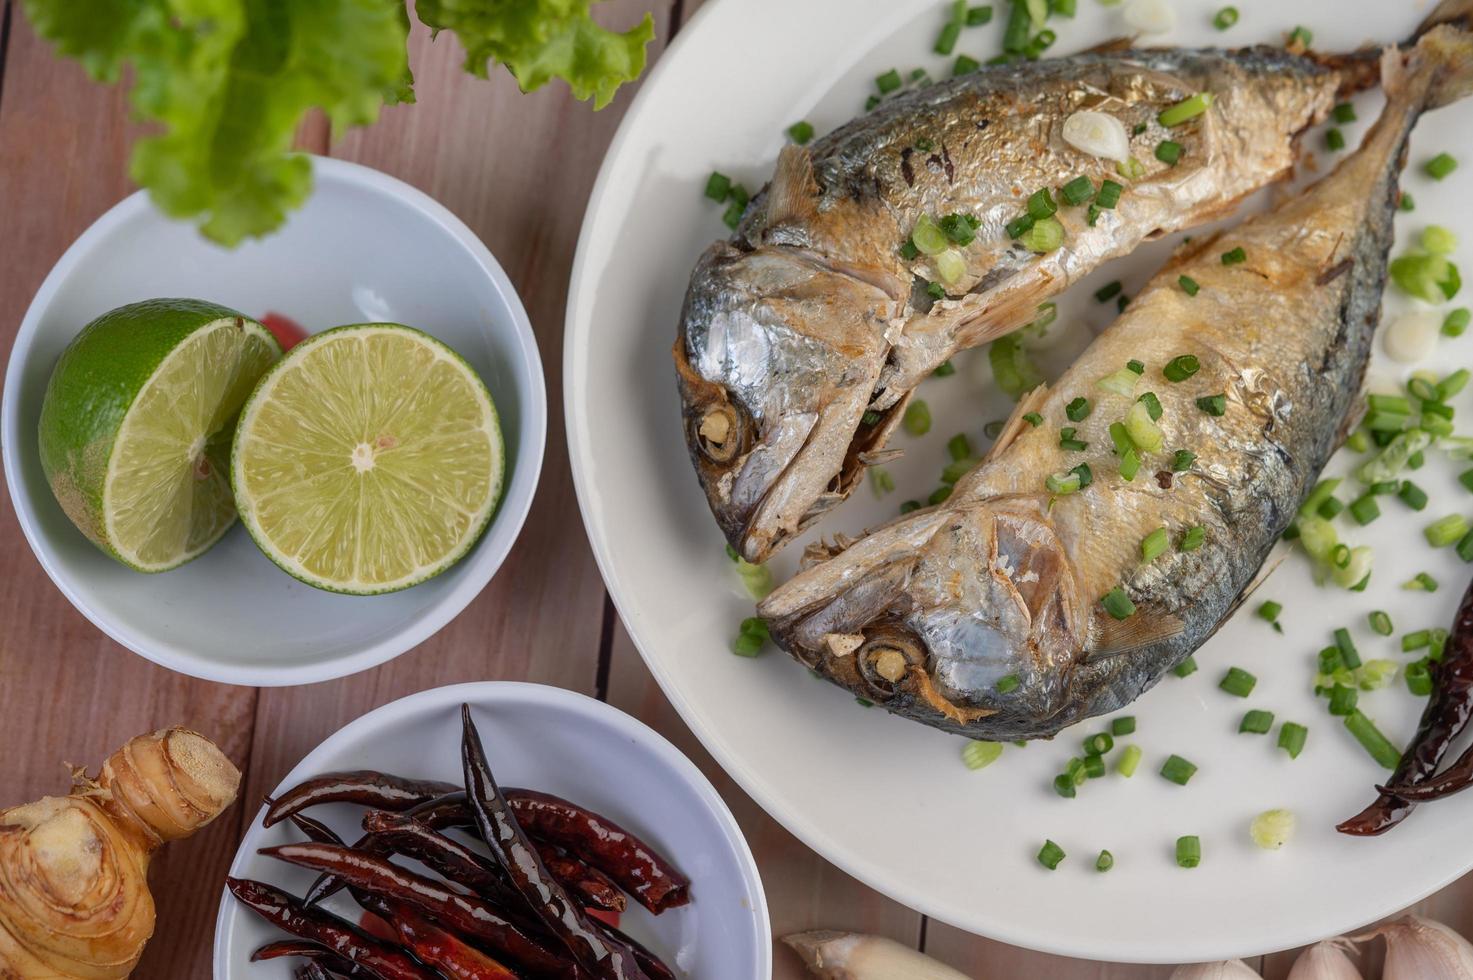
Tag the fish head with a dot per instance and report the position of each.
(968, 618)
(777, 360)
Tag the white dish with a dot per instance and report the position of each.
(562, 743)
(366, 247)
(889, 800)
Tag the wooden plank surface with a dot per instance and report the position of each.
(518, 169)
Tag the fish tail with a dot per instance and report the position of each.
(1444, 57)
(1361, 69)
(1456, 13)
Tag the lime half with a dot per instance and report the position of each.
(137, 421)
(368, 460)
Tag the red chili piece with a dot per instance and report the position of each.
(603, 956)
(630, 862)
(444, 951)
(402, 834)
(592, 887)
(380, 790)
(313, 951)
(286, 913)
(469, 915)
(1445, 716)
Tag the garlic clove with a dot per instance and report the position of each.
(1325, 961)
(831, 955)
(1421, 949)
(1412, 336)
(1150, 16)
(1225, 970)
(1097, 133)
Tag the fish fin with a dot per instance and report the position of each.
(1015, 423)
(1112, 46)
(1458, 13)
(1447, 51)
(793, 194)
(1116, 636)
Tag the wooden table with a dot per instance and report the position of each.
(518, 169)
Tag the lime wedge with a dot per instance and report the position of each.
(368, 460)
(137, 421)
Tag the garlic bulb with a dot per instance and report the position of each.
(1413, 335)
(1150, 16)
(833, 955)
(1421, 949)
(1097, 133)
(1226, 970)
(1325, 961)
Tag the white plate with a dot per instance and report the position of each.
(365, 247)
(884, 798)
(562, 743)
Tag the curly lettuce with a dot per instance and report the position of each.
(227, 82)
(538, 40)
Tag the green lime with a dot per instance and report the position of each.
(137, 421)
(368, 460)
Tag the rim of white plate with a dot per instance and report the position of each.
(597, 712)
(484, 560)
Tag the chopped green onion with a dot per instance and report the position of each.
(1394, 404)
(1404, 202)
(1182, 460)
(888, 82)
(1380, 622)
(1130, 168)
(732, 216)
(910, 506)
(1256, 722)
(964, 65)
(980, 755)
(1272, 829)
(1446, 531)
(1107, 292)
(1365, 509)
(1412, 495)
(1188, 285)
(1397, 454)
(959, 228)
(1369, 736)
(1064, 786)
(958, 448)
(1106, 860)
(1419, 678)
(1300, 37)
(1188, 852)
(1269, 611)
(1330, 508)
(1153, 406)
(1109, 194)
(1193, 539)
(1124, 725)
(1334, 139)
(1186, 109)
(1186, 668)
(1456, 322)
(1155, 544)
(946, 42)
(1130, 465)
(1120, 382)
(1077, 410)
(1045, 236)
(1453, 383)
(1465, 547)
(1178, 770)
(1008, 684)
(1168, 151)
(917, 418)
(1292, 737)
(1238, 682)
(1041, 204)
(1342, 700)
(1421, 582)
(1416, 640)
(1093, 214)
(1050, 855)
(956, 469)
(1098, 744)
(1225, 18)
(993, 429)
(1214, 405)
(908, 250)
(1428, 277)
(1181, 367)
(1234, 256)
(1142, 428)
(977, 16)
(1440, 166)
(1033, 419)
(881, 482)
(1078, 190)
(928, 236)
(1129, 759)
(1063, 483)
(1117, 603)
(718, 186)
(1015, 36)
(1439, 240)
(939, 495)
(800, 132)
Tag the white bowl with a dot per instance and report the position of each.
(563, 743)
(366, 247)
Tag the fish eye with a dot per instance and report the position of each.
(886, 658)
(720, 431)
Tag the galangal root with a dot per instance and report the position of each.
(74, 898)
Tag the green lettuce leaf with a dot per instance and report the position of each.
(539, 40)
(227, 82)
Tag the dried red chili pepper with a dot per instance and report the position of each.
(588, 884)
(599, 953)
(443, 950)
(313, 951)
(367, 787)
(1445, 716)
(471, 916)
(289, 915)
